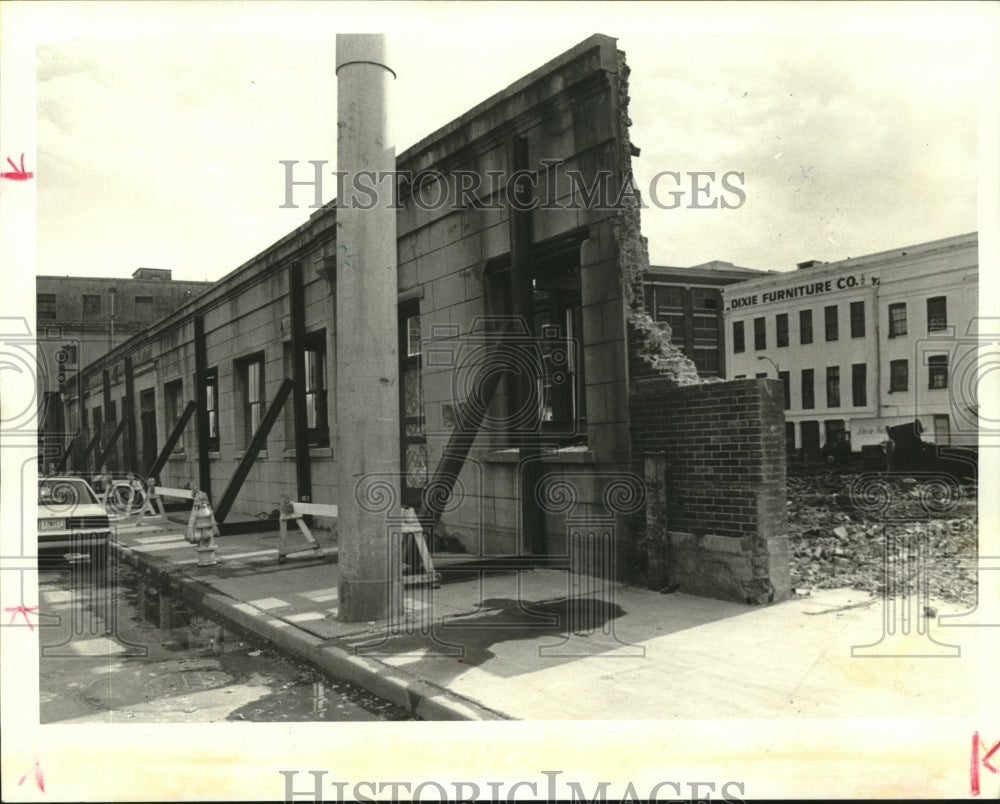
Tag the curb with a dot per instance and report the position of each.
(421, 698)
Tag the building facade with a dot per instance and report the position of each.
(516, 331)
(690, 301)
(79, 319)
(865, 343)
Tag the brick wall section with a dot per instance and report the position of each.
(725, 492)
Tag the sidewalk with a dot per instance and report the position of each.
(533, 646)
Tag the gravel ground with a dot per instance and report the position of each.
(845, 527)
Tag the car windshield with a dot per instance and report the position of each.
(65, 491)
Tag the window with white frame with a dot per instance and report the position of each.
(897, 319)
(249, 374)
(937, 372)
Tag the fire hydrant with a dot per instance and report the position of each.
(202, 530)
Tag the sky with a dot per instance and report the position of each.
(160, 127)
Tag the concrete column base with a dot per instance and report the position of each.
(365, 601)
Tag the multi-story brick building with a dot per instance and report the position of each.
(865, 343)
(79, 319)
(690, 301)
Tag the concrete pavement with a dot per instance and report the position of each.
(545, 645)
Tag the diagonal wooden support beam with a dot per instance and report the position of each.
(131, 447)
(467, 423)
(247, 461)
(303, 469)
(102, 456)
(172, 439)
(95, 443)
(61, 465)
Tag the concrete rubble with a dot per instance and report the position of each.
(838, 533)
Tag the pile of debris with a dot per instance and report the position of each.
(845, 529)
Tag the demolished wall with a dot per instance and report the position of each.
(649, 340)
(723, 526)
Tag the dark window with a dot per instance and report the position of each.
(249, 373)
(781, 329)
(45, 306)
(317, 420)
(759, 333)
(666, 303)
(739, 340)
(704, 336)
(937, 314)
(832, 330)
(836, 431)
(557, 327)
(707, 361)
(833, 386)
(808, 390)
(859, 384)
(937, 371)
(314, 364)
(857, 319)
(899, 375)
(786, 386)
(805, 326)
(761, 375)
(897, 319)
(413, 436)
(705, 299)
(789, 436)
(212, 408)
(809, 431)
(173, 403)
(91, 306)
(144, 308)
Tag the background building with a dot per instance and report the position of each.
(865, 343)
(690, 300)
(79, 319)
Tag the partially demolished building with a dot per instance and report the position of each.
(520, 327)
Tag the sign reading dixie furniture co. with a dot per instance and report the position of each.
(805, 289)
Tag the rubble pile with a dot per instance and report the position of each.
(846, 528)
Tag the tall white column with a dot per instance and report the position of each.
(367, 335)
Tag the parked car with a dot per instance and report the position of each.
(71, 519)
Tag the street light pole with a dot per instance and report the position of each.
(113, 291)
(777, 368)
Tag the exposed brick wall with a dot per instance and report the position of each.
(724, 449)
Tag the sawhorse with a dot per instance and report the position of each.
(294, 512)
(153, 501)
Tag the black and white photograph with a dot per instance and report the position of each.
(502, 401)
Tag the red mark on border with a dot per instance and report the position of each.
(18, 173)
(23, 611)
(977, 761)
(39, 776)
